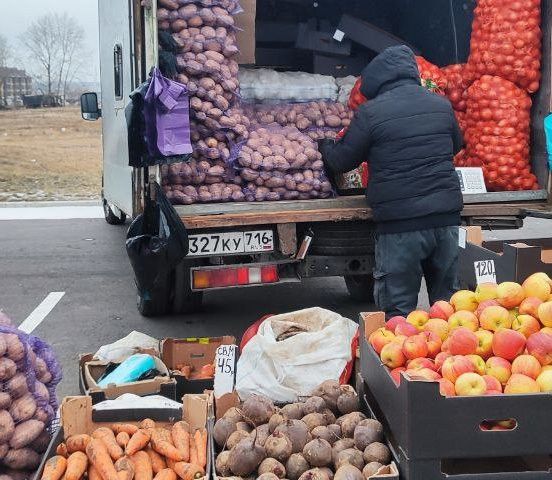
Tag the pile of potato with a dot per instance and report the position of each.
(28, 375)
(323, 438)
(320, 119)
(282, 163)
(205, 33)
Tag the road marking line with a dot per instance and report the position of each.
(39, 313)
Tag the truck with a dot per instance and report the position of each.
(238, 245)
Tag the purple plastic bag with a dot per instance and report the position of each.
(167, 117)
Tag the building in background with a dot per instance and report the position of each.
(14, 83)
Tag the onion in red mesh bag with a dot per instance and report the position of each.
(432, 76)
(457, 85)
(506, 41)
(497, 133)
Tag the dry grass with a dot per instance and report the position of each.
(49, 154)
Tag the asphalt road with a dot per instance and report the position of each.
(86, 259)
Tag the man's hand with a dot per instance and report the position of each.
(323, 147)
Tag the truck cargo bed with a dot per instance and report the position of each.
(203, 216)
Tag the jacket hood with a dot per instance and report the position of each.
(392, 65)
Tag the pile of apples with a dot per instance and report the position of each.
(496, 340)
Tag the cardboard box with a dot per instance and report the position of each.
(195, 352)
(429, 431)
(245, 34)
(90, 370)
(77, 416)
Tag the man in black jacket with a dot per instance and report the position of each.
(409, 137)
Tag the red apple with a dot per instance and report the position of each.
(526, 325)
(462, 342)
(493, 392)
(499, 368)
(379, 338)
(463, 318)
(483, 305)
(519, 383)
(446, 388)
(537, 286)
(423, 373)
(493, 318)
(486, 291)
(437, 326)
(415, 347)
(508, 344)
(493, 384)
(419, 363)
(440, 359)
(418, 318)
(530, 306)
(396, 374)
(527, 365)
(399, 340)
(434, 343)
(406, 329)
(392, 356)
(510, 294)
(539, 345)
(470, 385)
(441, 309)
(545, 313)
(393, 322)
(478, 363)
(455, 366)
(484, 344)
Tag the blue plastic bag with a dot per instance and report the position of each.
(130, 370)
(548, 133)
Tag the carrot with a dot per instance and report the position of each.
(122, 439)
(147, 423)
(200, 438)
(77, 443)
(170, 463)
(93, 473)
(181, 439)
(142, 466)
(124, 427)
(157, 461)
(193, 451)
(98, 455)
(77, 464)
(124, 468)
(54, 468)
(188, 471)
(107, 436)
(165, 474)
(137, 442)
(163, 446)
(62, 450)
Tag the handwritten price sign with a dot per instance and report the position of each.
(225, 369)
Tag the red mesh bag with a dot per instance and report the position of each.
(433, 78)
(497, 134)
(457, 85)
(506, 41)
(356, 98)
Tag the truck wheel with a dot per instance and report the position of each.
(360, 287)
(111, 217)
(184, 300)
(342, 239)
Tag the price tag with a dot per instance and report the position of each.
(471, 180)
(225, 370)
(485, 271)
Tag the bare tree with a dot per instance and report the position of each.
(55, 41)
(5, 51)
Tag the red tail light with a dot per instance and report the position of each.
(234, 276)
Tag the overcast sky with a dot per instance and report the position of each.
(16, 16)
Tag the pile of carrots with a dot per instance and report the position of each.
(205, 372)
(130, 452)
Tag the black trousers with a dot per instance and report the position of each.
(402, 259)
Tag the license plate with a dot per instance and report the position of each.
(228, 243)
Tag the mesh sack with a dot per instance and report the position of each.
(231, 6)
(497, 134)
(29, 373)
(506, 41)
(432, 77)
(458, 82)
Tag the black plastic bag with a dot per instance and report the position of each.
(157, 241)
